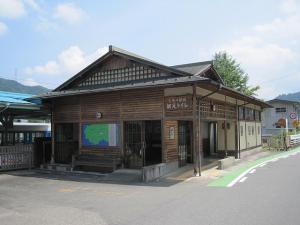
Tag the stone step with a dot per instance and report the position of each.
(57, 167)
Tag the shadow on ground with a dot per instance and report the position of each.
(116, 178)
(121, 177)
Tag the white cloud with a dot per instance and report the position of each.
(264, 62)
(281, 27)
(289, 6)
(3, 28)
(50, 68)
(69, 13)
(254, 51)
(32, 4)
(12, 8)
(30, 82)
(269, 52)
(44, 25)
(68, 62)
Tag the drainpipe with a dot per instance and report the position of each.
(219, 88)
(199, 126)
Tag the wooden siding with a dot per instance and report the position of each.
(66, 110)
(115, 107)
(142, 104)
(171, 145)
(102, 151)
(106, 103)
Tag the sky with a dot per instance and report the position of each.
(46, 42)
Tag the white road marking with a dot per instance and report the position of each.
(276, 159)
(252, 171)
(286, 156)
(243, 179)
(251, 168)
(262, 165)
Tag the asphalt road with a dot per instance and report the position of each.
(270, 195)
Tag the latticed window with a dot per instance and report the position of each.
(241, 113)
(249, 114)
(121, 75)
(216, 110)
(257, 115)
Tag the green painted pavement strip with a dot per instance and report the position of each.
(228, 178)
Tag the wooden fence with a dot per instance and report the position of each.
(16, 157)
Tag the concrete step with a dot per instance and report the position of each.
(57, 167)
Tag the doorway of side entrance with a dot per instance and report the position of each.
(66, 142)
(185, 140)
(209, 134)
(142, 143)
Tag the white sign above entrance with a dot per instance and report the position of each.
(178, 103)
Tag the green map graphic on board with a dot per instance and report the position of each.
(101, 135)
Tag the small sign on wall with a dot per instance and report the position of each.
(171, 133)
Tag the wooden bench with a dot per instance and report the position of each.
(99, 163)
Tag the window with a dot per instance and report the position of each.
(242, 131)
(121, 75)
(258, 130)
(241, 113)
(252, 130)
(249, 114)
(280, 110)
(249, 130)
(257, 115)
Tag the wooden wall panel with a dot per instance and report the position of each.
(142, 104)
(106, 103)
(115, 62)
(115, 107)
(66, 110)
(171, 151)
(101, 151)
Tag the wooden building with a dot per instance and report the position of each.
(126, 111)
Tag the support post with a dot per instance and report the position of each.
(7, 122)
(199, 140)
(225, 129)
(52, 136)
(195, 134)
(237, 131)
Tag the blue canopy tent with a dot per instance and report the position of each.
(17, 106)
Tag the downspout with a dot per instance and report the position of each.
(199, 126)
(219, 88)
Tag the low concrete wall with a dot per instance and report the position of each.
(225, 163)
(246, 153)
(153, 172)
(150, 173)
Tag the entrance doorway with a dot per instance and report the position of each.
(209, 138)
(142, 143)
(66, 142)
(185, 134)
(213, 137)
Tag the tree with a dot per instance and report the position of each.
(232, 74)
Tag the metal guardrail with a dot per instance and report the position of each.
(16, 157)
